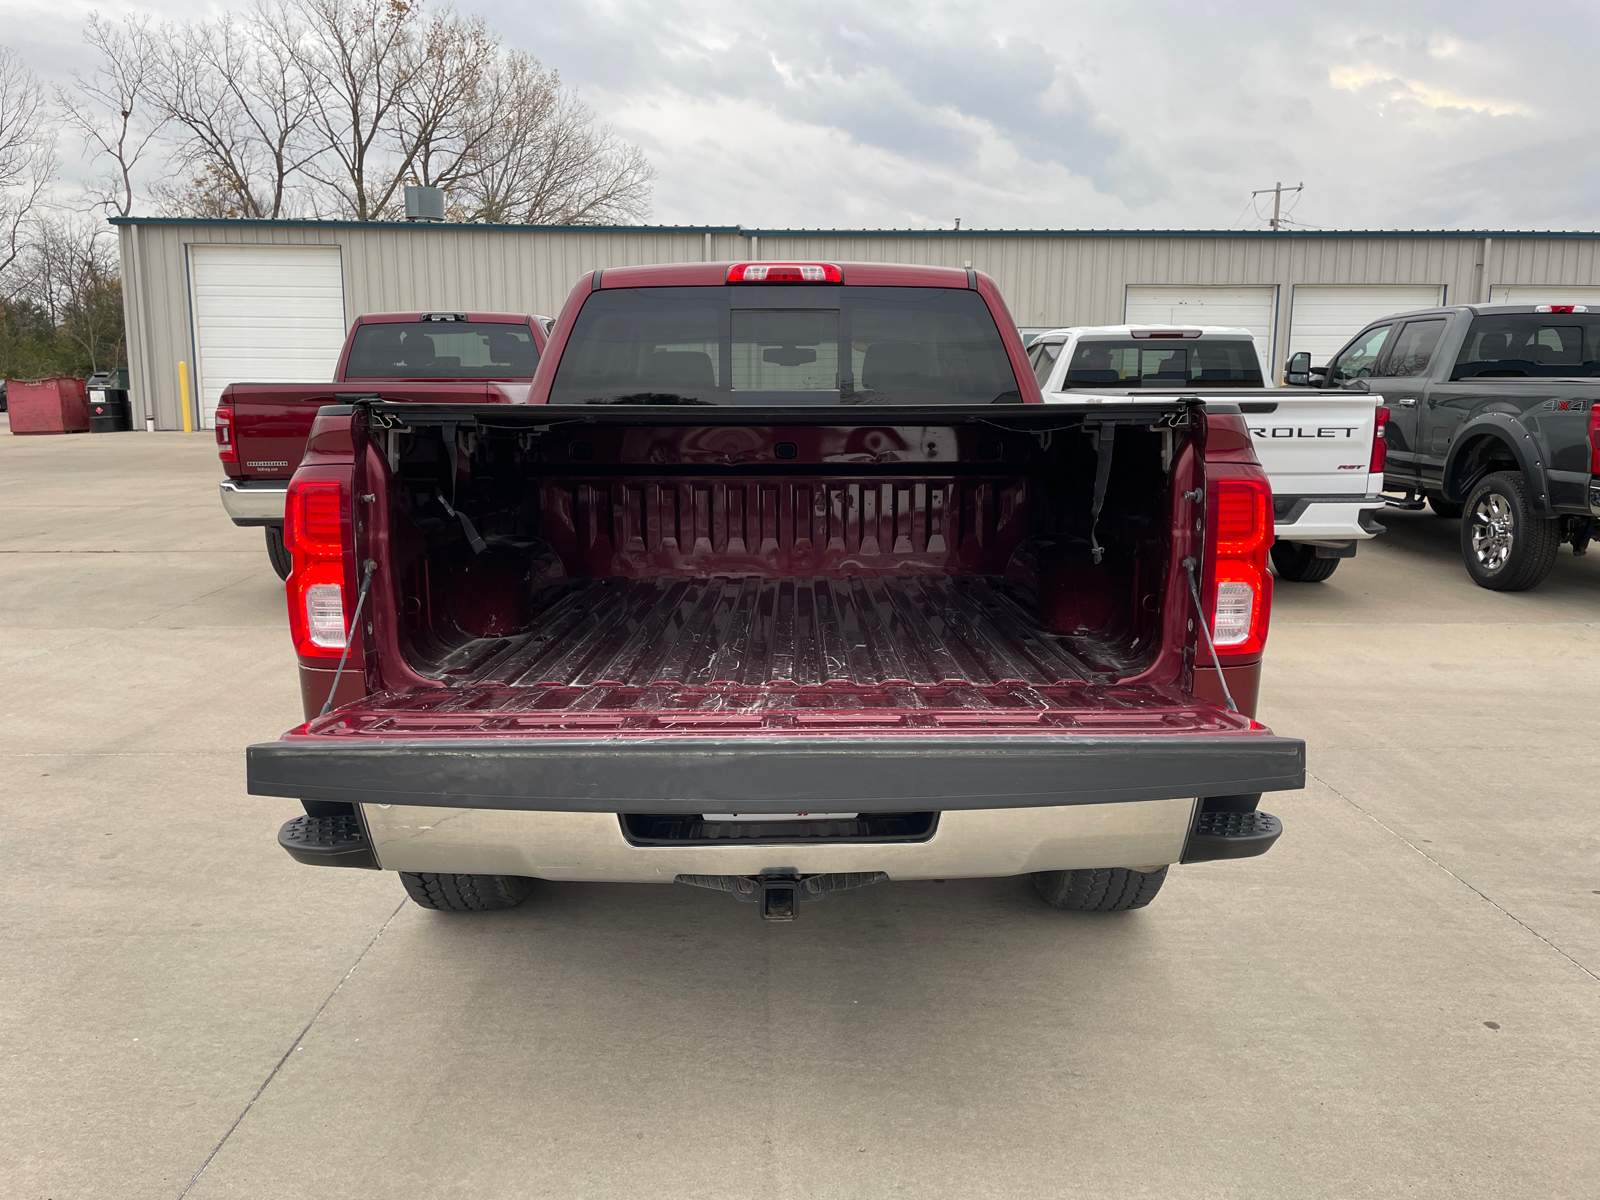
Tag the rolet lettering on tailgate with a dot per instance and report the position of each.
(1301, 431)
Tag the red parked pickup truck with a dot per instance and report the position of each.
(437, 358)
(784, 581)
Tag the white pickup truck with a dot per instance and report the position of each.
(1323, 451)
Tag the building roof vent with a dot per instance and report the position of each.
(424, 204)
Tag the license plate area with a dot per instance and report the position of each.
(650, 829)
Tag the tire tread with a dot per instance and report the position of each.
(1299, 563)
(1099, 889)
(464, 893)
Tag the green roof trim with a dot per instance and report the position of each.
(969, 234)
(311, 224)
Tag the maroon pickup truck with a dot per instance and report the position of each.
(785, 581)
(436, 358)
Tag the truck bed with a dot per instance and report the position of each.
(825, 633)
(709, 655)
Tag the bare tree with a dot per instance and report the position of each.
(241, 103)
(114, 106)
(27, 154)
(357, 57)
(328, 107)
(547, 162)
(71, 277)
(445, 117)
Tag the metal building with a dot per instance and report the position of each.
(210, 303)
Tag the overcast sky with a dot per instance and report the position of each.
(1155, 114)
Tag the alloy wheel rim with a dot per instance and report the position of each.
(1493, 532)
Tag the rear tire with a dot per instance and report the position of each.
(1442, 507)
(278, 552)
(1505, 546)
(1099, 889)
(464, 893)
(1298, 562)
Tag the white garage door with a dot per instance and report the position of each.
(1324, 318)
(1539, 293)
(264, 314)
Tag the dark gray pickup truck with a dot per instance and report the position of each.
(1492, 418)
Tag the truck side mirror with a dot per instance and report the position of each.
(1297, 371)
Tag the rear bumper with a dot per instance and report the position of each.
(254, 503)
(775, 774)
(590, 847)
(1326, 518)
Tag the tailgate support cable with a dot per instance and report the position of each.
(467, 527)
(1104, 439)
(367, 569)
(1189, 565)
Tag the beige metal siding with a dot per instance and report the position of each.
(1046, 280)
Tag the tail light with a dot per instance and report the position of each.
(227, 450)
(1560, 308)
(1380, 440)
(785, 273)
(1241, 504)
(313, 533)
(1594, 439)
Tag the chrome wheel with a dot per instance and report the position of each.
(1494, 528)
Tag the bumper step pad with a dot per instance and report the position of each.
(1218, 835)
(328, 842)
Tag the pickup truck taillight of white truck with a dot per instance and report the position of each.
(1323, 451)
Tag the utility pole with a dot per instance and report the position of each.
(1277, 191)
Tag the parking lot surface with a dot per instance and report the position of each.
(1402, 998)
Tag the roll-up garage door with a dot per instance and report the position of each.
(1539, 293)
(1251, 307)
(264, 314)
(1324, 317)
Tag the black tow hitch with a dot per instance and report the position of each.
(777, 892)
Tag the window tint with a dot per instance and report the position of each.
(785, 350)
(1043, 356)
(1162, 364)
(777, 344)
(1358, 361)
(442, 350)
(1530, 344)
(1412, 349)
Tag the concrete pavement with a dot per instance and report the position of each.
(1401, 999)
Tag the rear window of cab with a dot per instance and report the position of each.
(777, 344)
(442, 350)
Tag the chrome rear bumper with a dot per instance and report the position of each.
(254, 503)
(590, 847)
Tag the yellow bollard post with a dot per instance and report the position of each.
(183, 386)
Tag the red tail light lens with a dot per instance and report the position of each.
(227, 451)
(313, 532)
(1380, 440)
(785, 273)
(1594, 439)
(1561, 308)
(1240, 593)
(1244, 518)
